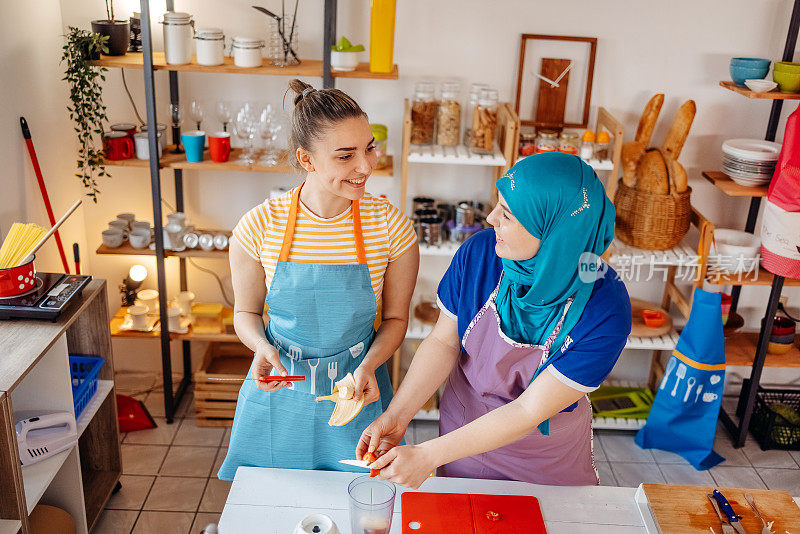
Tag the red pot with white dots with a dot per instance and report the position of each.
(18, 280)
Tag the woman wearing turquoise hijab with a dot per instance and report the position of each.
(531, 321)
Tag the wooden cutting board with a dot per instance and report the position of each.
(638, 328)
(686, 509)
(459, 513)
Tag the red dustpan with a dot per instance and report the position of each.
(132, 415)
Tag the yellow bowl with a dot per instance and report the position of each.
(778, 348)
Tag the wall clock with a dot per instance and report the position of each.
(554, 80)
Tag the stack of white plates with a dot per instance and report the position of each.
(750, 162)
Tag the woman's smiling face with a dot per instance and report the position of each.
(343, 158)
(514, 242)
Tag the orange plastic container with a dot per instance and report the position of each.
(381, 35)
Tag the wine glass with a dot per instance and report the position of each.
(196, 112)
(224, 114)
(268, 128)
(176, 120)
(244, 126)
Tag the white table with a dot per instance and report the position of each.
(273, 501)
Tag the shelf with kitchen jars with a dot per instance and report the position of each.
(219, 330)
(306, 68)
(208, 56)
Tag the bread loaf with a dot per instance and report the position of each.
(678, 173)
(647, 122)
(651, 175)
(676, 136)
(631, 155)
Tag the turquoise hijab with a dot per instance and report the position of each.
(558, 199)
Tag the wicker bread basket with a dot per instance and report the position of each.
(652, 221)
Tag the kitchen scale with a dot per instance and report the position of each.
(53, 293)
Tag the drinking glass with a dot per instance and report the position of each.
(245, 126)
(176, 120)
(269, 126)
(224, 114)
(196, 112)
(371, 505)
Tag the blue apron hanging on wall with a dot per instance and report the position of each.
(684, 415)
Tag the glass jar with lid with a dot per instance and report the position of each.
(210, 44)
(527, 144)
(423, 114)
(568, 142)
(546, 141)
(247, 51)
(587, 145)
(178, 33)
(484, 122)
(602, 147)
(380, 133)
(472, 101)
(448, 118)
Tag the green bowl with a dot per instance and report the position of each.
(786, 66)
(787, 82)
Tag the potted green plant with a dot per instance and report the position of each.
(86, 107)
(118, 31)
(344, 55)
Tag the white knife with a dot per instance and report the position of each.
(356, 463)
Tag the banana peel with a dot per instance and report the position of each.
(346, 408)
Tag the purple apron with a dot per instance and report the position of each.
(493, 371)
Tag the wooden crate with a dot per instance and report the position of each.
(215, 401)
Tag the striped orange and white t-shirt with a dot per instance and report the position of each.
(387, 235)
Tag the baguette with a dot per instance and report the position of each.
(651, 175)
(647, 122)
(676, 136)
(631, 156)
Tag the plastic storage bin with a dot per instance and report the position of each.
(84, 371)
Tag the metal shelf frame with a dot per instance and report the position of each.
(173, 397)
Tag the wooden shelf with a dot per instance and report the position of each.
(454, 155)
(596, 164)
(38, 476)
(772, 95)
(127, 250)
(191, 335)
(764, 278)
(740, 349)
(308, 67)
(731, 188)
(178, 161)
(97, 487)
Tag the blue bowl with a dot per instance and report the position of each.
(752, 62)
(740, 73)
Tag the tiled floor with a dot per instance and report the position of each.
(169, 483)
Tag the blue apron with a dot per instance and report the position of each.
(684, 415)
(322, 323)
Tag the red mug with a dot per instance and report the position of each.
(126, 127)
(117, 146)
(219, 146)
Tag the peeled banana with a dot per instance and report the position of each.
(346, 408)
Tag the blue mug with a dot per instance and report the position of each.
(193, 143)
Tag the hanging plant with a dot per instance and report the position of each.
(86, 109)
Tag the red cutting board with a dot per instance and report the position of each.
(450, 513)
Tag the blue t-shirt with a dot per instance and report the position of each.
(593, 345)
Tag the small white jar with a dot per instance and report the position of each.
(247, 52)
(178, 34)
(210, 46)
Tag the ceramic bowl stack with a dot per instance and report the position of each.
(750, 162)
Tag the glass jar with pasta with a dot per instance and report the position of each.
(484, 123)
(448, 117)
(423, 114)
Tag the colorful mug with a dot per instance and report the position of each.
(117, 146)
(193, 143)
(219, 145)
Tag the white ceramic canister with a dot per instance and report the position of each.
(210, 43)
(178, 34)
(247, 51)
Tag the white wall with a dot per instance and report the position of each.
(31, 86)
(680, 48)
